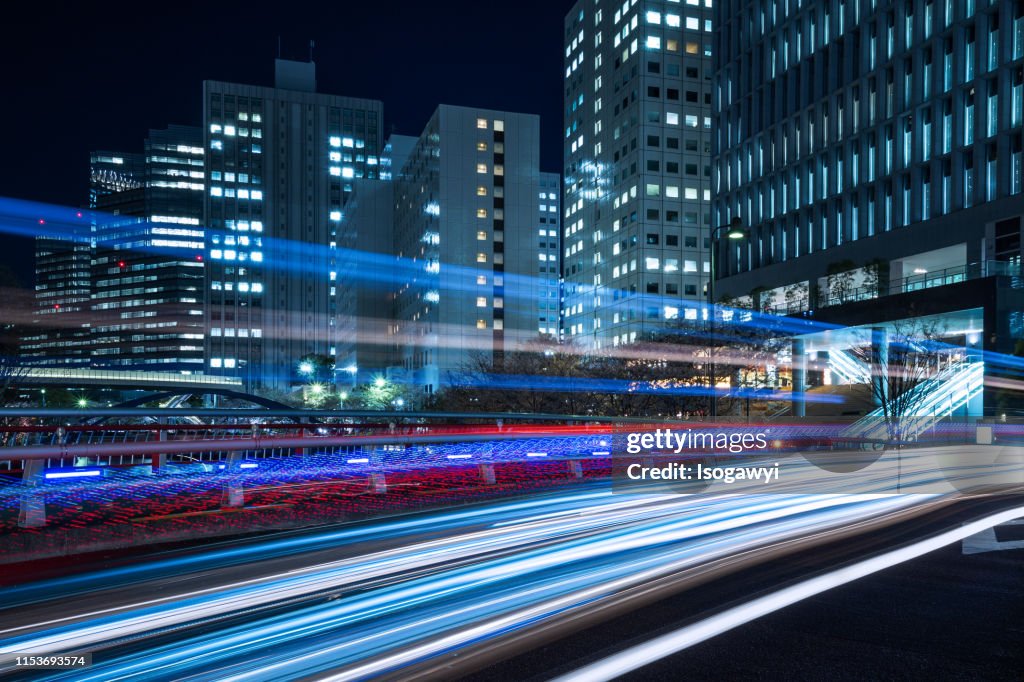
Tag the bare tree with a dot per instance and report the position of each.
(909, 356)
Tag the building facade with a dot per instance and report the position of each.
(549, 239)
(147, 266)
(874, 152)
(281, 163)
(636, 211)
(467, 241)
(367, 277)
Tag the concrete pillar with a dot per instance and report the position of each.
(879, 365)
(378, 482)
(799, 370)
(160, 460)
(487, 473)
(32, 510)
(233, 494)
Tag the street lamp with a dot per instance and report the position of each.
(735, 232)
(380, 382)
(306, 367)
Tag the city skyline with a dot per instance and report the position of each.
(118, 86)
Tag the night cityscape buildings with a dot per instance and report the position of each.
(468, 228)
(874, 152)
(637, 146)
(281, 164)
(124, 289)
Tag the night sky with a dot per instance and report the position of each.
(98, 75)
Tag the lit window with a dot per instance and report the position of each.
(481, 279)
(481, 301)
(481, 191)
(335, 141)
(481, 258)
(653, 43)
(692, 23)
(335, 215)
(347, 172)
(672, 20)
(481, 123)
(481, 168)
(229, 130)
(499, 126)
(215, 128)
(653, 17)
(481, 235)
(692, 48)
(481, 324)
(481, 146)
(672, 118)
(481, 213)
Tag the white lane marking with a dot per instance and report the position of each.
(673, 642)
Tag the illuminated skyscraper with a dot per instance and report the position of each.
(468, 236)
(281, 163)
(147, 266)
(637, 142)
(874, 144)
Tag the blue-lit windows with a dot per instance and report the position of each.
(926, 134)
(947, 126)
(215, 128)
(926, 198)
(1017, 97)
(217, 144)
(992, 110)
(908, 131)
(1018, 33)
(334, 141)
(653, 43)
(889, 147)
(993, 42)
(947, 64)
(969, 117)
(968, 179)
(947, 186)
(1017, 165)
(928, 74)
(991, 174)
(969, 54)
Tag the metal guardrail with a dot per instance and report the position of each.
(134, 377)
(910, 283)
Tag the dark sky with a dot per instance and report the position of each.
(97, 75)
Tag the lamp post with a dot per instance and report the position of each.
(734, 231)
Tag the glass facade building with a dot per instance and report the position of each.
(147, 269)
(637, 143)
(875, 142)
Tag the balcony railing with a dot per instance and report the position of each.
(915, 282)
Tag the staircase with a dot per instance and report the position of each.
(847, 369)
(942, 395)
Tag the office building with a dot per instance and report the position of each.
(367, 276)
(60, 332)
(636, 217)
(468, 243)
(147, 265)
(281, 163)
(549, 239)
(874, 152)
